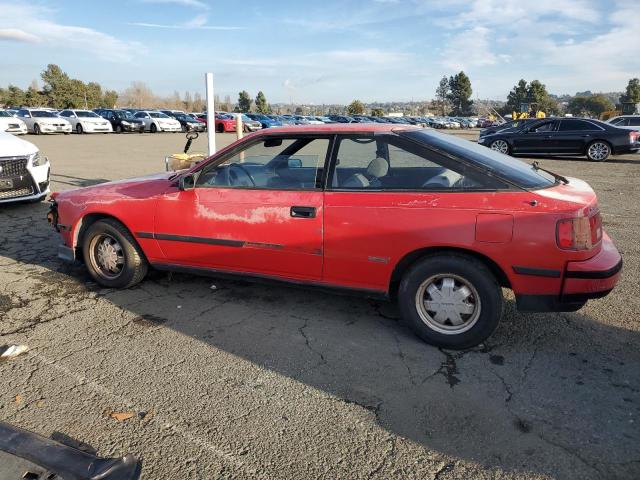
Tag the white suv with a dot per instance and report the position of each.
(24, 172)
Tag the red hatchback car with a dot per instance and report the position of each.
(436, 222)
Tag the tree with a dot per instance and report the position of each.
(137, 95)
(58, 87)
(592, 106)
(244, 102)
(632, 93)
(534, 92)
(356, 108)
(377, 112)
(13, 96)
(460, 94)
(442, 94)
(109, 99)
(228, 106)
(261, 103)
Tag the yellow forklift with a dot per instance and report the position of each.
(529, 110)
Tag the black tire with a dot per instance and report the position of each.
(134, 266)
(245, 129)
(79, 129)
(183, 128)
(487, 310)
(220, 128)
(118, 128)
(36, 129)
(598, 151)
(153, 128)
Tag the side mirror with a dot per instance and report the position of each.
(187, 182)
(272, 142)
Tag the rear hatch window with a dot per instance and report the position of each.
(508, 168)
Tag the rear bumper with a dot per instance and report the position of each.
(583, 281)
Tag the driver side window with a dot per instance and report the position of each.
(543, 127)
(273, 163)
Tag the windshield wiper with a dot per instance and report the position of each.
(560, 178)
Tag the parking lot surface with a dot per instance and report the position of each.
(259, 381)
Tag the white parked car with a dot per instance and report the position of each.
(11, 124)
(158, 121)
(86, 121)
(630, 122)
(24, 172)
(40, 120)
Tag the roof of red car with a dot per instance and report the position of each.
(338, 128)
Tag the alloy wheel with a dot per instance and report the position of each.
(598, 151)
(107, 256)
(500, 146)
(448, 304)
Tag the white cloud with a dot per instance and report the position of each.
(199, 22)
(37, 27)
(184, 3)
(18, 35)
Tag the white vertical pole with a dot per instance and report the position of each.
(211, 115)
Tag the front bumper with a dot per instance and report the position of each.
(133, 127)
(32, 186)
(582, 281)
(89, 128)
(44, 128)
(19, 130)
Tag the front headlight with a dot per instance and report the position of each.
(38, 160)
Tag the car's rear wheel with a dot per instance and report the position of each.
(220, 128)
(112, 255)
(598, 151)
(79, 129)
(450, 300)
(36, 129)
(500, 146)
(153, 128)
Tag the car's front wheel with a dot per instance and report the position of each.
(36, 129)
(153, 128)
(118, 128)
(112, 255)
(220, 128)
(79, 129)
(450, 300)
(598, 151)
(500, 146)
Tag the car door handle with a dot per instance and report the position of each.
(585, 136)
(548, 137)
(303, 212)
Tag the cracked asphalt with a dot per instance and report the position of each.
(259, 381)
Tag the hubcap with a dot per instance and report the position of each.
(448, 304)
(107, 256)
(599, 151)
(500, 146)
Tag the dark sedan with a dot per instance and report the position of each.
(506, 125)
(564, 136)
(188, 122)
(122, 120)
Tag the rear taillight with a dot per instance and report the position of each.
(634, 137)
(580, 233)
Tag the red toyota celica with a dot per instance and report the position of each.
(437, 223)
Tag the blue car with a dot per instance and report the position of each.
(266, 122)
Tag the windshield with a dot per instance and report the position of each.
(86, 114)
(158, 115)
(123, 114)
(515, 171)
(42, 113)
(5, 114)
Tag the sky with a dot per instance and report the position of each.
(332, 51)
